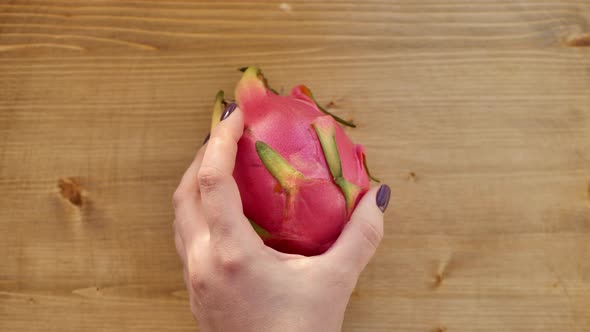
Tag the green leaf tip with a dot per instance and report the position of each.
(218, 108)
(350, 190)
(338, 119)
(263, 233)
(326, 134)
(367, 170)
(252, 71)
(327, 139)
(277, 166)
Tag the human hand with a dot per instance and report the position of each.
(235, 282)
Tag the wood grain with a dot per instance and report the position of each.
(477, 113)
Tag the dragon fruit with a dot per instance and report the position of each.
(299, 175)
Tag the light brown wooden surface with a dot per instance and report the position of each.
(477, 113)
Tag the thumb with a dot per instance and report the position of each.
(363, 233)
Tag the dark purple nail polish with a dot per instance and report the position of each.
(207, 139)
(383, 197)
(228, 111)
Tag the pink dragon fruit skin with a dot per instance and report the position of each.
(298, 173)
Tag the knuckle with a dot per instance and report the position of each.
(197, 278)
(209, 177)
(372, 233)
(230, 262)
(198, 282)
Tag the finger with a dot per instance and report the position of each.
(188, 217)
(189, 184)
(220, 196)
(363, 233)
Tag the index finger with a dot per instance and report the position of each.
(220, 196)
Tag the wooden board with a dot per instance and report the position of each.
(477, 113)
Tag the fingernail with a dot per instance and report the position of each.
(228, 111)
(207, 138)
(383, 197)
